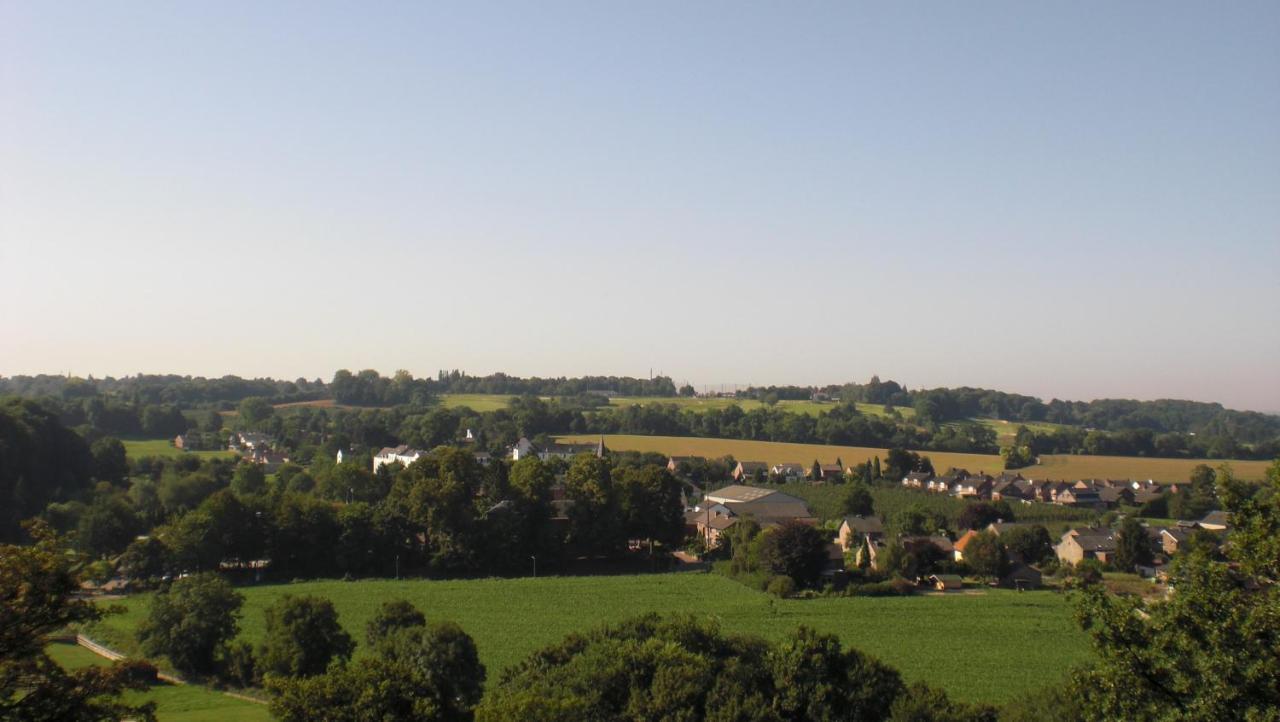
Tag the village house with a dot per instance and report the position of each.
(765, 505)
(403, 455)
(554, 450)
(1077, 545)
(249, 441)
(675, 463)
(789, 473)
(973, 487)
(1216, 521)
(269, 460)
(1172, 538)
(830, 472)
(962, 543)
(750, 471)
(917, 479)
(855, 529)
(1021, 576)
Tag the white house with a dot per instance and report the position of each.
(402, 455)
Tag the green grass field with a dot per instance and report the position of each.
(136, 449)
(1052, 467)
(476, 402)
(174, 702)
(493, 402)
(1008, 643)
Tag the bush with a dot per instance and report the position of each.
(240, 666)
(138, 671)
(781, 586)
(896, 587)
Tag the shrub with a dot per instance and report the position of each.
(781, 586)
(240, 665)
(138, 671)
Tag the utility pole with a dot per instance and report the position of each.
(534, 557)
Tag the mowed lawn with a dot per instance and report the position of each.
(1063, 466)
(990, 646)
(136, 449)
(174, 702)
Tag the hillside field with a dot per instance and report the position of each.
(493, 402)
(174, 702)
(990, 646)
(136, 449)
(1052, 467)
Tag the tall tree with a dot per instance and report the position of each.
(1133, 546)
(302, 636)
(796, 550)
(1209, 651)
(39, 596)
(192, 622)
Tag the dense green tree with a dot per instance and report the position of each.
(1133, 546)
(249, 479)
(979, 514)
(191, 622)
(254, 412)
(145, 560)
(302, 637)
(686, 669)
(985, 555)
(393, 616)
(110, 463)
(39, 595)
(857, 501)
(1031, 544)
(796, 550)
(649, 504)
(592, 517)
(1211, 650)
(41, 461)
(107, 526)
(163, 421)
(430, 672)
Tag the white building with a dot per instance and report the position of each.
(402, 455)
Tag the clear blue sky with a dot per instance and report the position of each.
(1076, 201)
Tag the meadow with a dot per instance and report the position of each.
(138, 448)
(1067, 467)
(988, 646)
(174, 702)
(493, 402)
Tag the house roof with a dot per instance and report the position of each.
(740, 494)
(865, 524)
(749, 466)
(963, 541)
(947, 578)
(1217, 518)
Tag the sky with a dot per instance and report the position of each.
(1071, 200)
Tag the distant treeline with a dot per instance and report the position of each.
(458, 382)
(159, 389)
(937, 406)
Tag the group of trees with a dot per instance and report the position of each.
(39, 587)
(458, 382)
(688, 669)
(444, 515)
(1211, 650)
(185, 392)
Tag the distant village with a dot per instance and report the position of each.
(859, 540)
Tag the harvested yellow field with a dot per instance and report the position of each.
(1052, 467)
